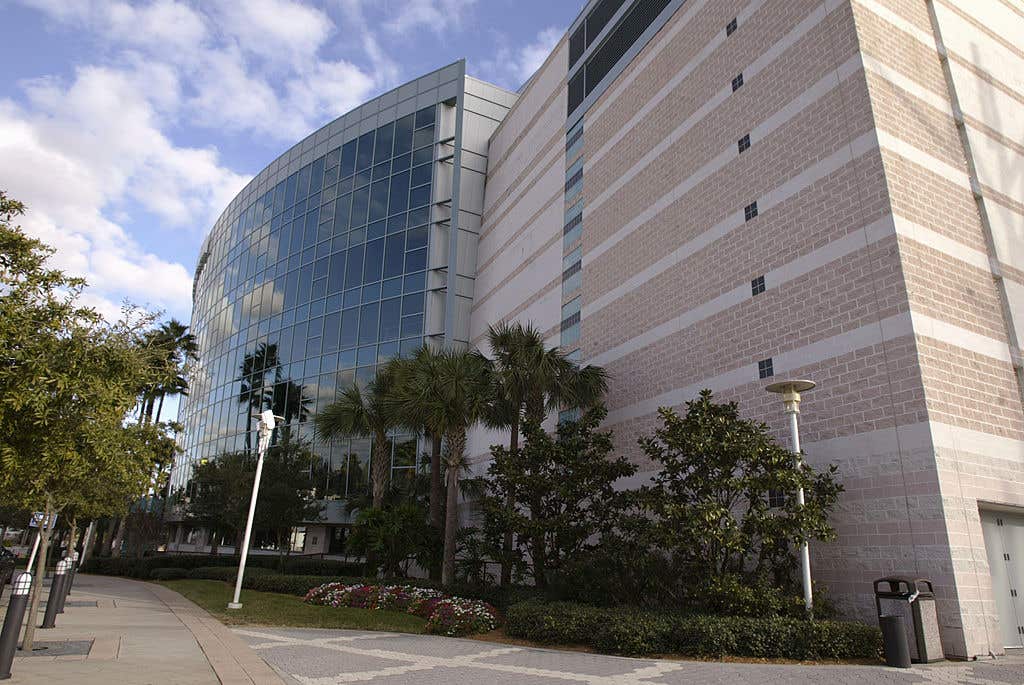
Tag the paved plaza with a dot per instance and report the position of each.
(120, 631)
(116, 630)
(324, 657)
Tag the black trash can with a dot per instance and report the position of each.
(913, 600)
(894, 641)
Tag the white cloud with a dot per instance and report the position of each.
(439, 16)
(80, 151)
(512, 67)
(252, 67)
(278, 30)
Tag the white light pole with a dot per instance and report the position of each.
(265, 430)
(790, 391)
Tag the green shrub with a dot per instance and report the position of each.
(143, 568)
(283, 584)
(225, 573)
(168, 574)
(638, 632)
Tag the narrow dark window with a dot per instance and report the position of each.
(572, 271)
(757, 285)
(764, 368)
(570, 321)
(574, 138)
(573, 223)
(744, 143)
(750, 211)
(730, 28)
(776, 498)
(737, 82)
(573, 180)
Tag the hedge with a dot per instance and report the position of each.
(301, 575)
(143, 568)
(637, 632)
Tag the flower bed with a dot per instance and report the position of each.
(446, 615)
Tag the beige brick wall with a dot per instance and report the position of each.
(877, 261)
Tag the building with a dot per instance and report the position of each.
(701, 194)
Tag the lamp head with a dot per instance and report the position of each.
(790, 391)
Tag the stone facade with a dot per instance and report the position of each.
(886, 165)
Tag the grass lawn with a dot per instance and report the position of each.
(272, 609)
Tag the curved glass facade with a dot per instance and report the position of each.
(302, 290)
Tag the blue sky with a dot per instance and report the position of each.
(127, 126)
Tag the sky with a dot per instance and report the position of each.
(127, 127)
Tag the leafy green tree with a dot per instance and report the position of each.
(366, 412)
(711, 502)
(392, 535)
(563, 490)
(286, 492)
(531, 379)
(222, 490)
(68, 380)
(219, 493)
(449, 396)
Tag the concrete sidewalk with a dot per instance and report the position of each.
(140, 633)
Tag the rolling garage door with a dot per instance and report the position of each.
(1004, 545)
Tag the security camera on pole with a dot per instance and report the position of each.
(265, 430)
(790, 391)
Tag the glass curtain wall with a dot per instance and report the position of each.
(322, 278)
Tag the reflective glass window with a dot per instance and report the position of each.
(403, 135)
(368, 315)
(390, 316)
(348, 158)
(365, 155)
(385, 138)
(354, 267)
(349, 328)
(374, 261)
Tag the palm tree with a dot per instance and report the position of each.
(423, 359)
(366, 412)
(448, 395)
(172, 346)
(530, 380)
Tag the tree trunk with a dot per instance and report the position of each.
(456, 448)
(159, 408)
(280, 553)
(45, 533)
(214, 543)
(540, 578)
(380, 468)
(510, 505)
(436, 497)
(115, 545)
(73, 537)
(436, 489)
(3, 534)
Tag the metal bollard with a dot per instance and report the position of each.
(69, 577)
(12, 623)
(56, 592)
(74, 572)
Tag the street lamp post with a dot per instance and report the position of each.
(265, 430)
(790, 391)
